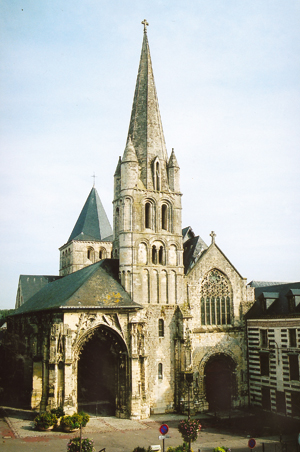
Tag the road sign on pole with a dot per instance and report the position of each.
(164, 429)
(251, 443)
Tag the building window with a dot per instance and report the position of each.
(263, 334)
(161, 328)
(117, 221)
(158, 254)
(102, 254)
(216, 299)
(148, 215)
(91, 254)
(265, 398)
(295, 399)
(294, 367)
(280, 402)
(156, 174)
(293, 337)
(164, 217)
(160, 371)
(264, 364)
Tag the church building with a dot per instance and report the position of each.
(144, 316)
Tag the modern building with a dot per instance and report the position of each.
(273, 336)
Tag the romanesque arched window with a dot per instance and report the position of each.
(91, 254)
(148, 215)
(164, 217)
(160, 371)
(216, 299)
(102, 253)
(158, 253)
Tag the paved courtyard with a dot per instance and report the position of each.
(18, 434)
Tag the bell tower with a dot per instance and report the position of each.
(147, 201)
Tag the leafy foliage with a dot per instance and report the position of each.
(222, 449)
(189, 429)
(87, 445)
(183, 448)
(59, 412)
(85, 418)
(45, 420)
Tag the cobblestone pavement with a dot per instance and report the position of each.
(18, 434)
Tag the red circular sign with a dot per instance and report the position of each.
(251, 443)
(164, 429)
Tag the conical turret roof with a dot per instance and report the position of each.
(129, 153)
(145, 127)
(92, 223)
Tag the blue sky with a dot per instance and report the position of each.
(228, 82)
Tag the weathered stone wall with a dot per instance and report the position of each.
(80, 254)
(217, 337)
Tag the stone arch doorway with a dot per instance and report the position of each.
(219, 377)
(102, 376)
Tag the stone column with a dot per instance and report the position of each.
(37, 385)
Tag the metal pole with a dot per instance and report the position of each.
(80, 449)
(163, 444)
(189, 412)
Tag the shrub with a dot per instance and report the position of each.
(183, 448)
(139, 449)
(87, 445)
(222, 449)
(59, 412)
(85, 418)
(71, 422)
(45, 420)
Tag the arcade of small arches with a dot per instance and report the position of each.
(157, 254)
(159, 217)
(156, 217)
(157, 286)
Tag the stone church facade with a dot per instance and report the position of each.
(141, 317)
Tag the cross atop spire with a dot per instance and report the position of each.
(213, 236)
(145, 23)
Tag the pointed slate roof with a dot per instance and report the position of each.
(95, 286)
(92, 223)
(192, 250)
(145, 127)
(30, 285)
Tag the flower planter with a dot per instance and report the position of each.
(69, 429)
(44, 429)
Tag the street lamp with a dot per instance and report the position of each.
(187, 378)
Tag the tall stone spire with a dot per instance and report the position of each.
(145, 127)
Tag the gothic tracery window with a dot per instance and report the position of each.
(216, 299)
